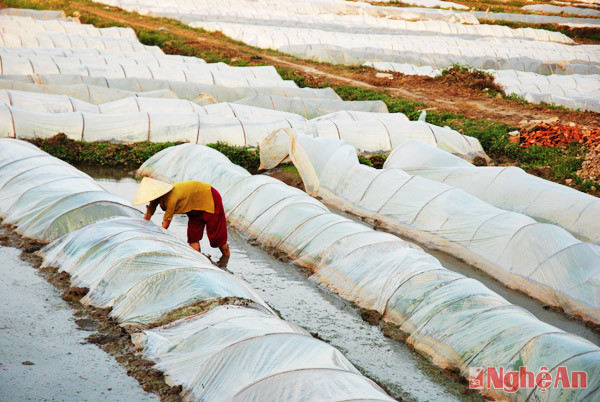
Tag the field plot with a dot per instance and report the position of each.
(399, 39)
(373, 208)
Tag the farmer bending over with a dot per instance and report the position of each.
(200, 201)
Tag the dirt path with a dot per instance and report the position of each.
(437, 93)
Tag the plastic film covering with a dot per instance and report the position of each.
(540, 19)
(147, 126)
(356, 115)
(18, 24)
(190, 351)
(542, 260)
(572, 91)
(509, 188)
(88, 93)
(183, 90)
(46, 198)
(141, 270)
(151, 54)
(312, 385)
(507, 45)
(104, 256)
(168, 290)
(37, 14)
(549, 61)
(147, 273)
(408, 40)
(552, 9)
(250, 128)
(75, 41)
(66, 252)
(126, 67)
(456, 321)
(377, 26)
(254, 15)
(380, 133)
(270, 10)
(271, 354)
(310, 108)
(181, 348)
(66, 55)
(50, 103)
(131, 63)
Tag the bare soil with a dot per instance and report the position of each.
(291, 178)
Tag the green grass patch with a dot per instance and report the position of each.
(375, 160)
(289, 167)
(516, 98)
(395, 104)
(458, 68)
(365, 161)
(100, 154)
(246, 157)
(132, 155)
(294, 76)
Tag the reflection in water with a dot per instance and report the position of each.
(104, 172)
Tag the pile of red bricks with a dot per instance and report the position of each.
(555, 134)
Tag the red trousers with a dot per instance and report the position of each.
(216, 224)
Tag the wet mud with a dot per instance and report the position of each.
(109, 336)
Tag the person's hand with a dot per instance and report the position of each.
(166, 224)
(147, 216)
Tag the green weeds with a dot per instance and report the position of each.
(395, 104)
(100, 154)
(246, 157)
(294, 76)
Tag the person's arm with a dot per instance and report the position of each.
(150, 209)
(169, 212)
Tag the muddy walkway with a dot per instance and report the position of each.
(43, 352)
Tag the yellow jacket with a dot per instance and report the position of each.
(185, 196)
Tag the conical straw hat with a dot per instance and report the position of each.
(150, 189)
